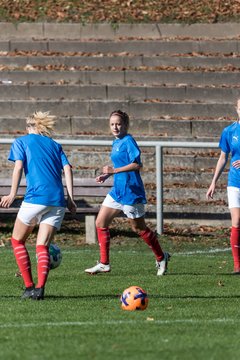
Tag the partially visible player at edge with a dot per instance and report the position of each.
(230, 144)
(127, 195)
(42, 160)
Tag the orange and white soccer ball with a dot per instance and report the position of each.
(134, 298)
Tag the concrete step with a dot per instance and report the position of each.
(148, 110)
(208, 211)
(191, 179)
(111, 92)
(118, 60)
(188, 129)
(107, 31)
(192, 194)
(148, 47)
(183, 78)
(151, 78)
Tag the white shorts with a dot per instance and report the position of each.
(233, 197)
(131, 211)
(33, 214)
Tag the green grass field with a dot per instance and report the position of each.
(193, 312)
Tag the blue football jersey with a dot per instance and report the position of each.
(230, 144)
(128, 188)
(43, 160)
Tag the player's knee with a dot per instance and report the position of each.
(99, 223)
(236, 224)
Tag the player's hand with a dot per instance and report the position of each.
(210, 192)
(6, 201)
(101, 178)
(71, 205)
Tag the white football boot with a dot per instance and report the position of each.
(163, 264)
(99, 268)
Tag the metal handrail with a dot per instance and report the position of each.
(159, 145)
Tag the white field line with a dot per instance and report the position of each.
(120, 322)
(210, 251)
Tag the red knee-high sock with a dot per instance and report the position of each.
(235, 245)
(23, 261)
(43, 265)
(151, 240)
(104, 244)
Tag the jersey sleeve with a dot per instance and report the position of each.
(17, 151)
(224, 142)
(64, 158)
(134, 151)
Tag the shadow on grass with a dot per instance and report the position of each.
(62, 297)
(110, 296)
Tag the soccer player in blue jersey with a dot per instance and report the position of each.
(127, 195)
(42, 160)
(230, 144)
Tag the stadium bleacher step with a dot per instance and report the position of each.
(118, 92)
(124, 77)
(161, 46)
(110, 60)
(150, 110)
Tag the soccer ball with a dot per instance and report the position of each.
(134, 298)
(55, 256)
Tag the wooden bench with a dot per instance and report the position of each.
(87, 194)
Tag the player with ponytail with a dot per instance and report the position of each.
(127, 195)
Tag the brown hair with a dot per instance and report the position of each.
(42, 122)
(124, 116)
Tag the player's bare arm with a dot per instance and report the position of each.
(222, 161)
(130, 167)
(69, 183)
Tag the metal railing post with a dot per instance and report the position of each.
(159, 189)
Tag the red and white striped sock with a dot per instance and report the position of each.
(151, 240)
(235, 245)
(43, 265)
(23, 261)
(104, 244)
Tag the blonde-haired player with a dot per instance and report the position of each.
(42, 160)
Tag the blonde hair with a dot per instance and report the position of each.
(41, 122)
